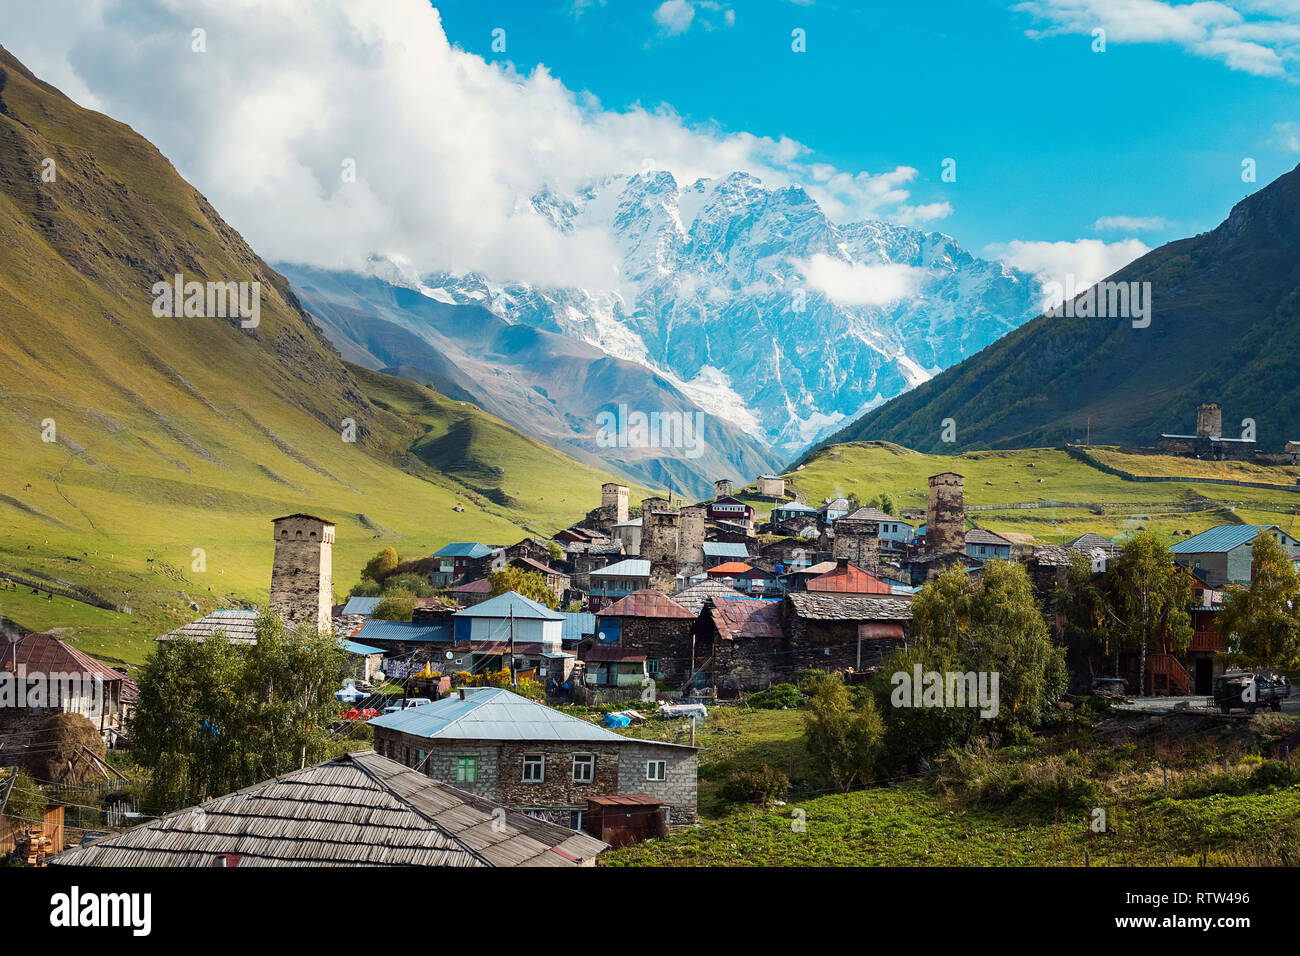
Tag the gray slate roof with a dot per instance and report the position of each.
(238, 627)
(359, 809)
(497, 714)
(849, 607)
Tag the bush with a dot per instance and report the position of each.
(780, 697)
(1273, 773)
(761, 786)
(396, 605)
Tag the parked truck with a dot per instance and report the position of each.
(1250, 690)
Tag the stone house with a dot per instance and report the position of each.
(653, 624)
(465, 561)
(530, 757)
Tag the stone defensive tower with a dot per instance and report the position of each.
(302, 573)
(722, 488)
(690, 541)
(1209, 420)
(660, 539)
(613, 504)
(945, 519)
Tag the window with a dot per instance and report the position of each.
(534, 768)
(656, 770)
(652, 667)
(584, 768)
(467, 769)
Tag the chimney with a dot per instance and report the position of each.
(462, 693)
(841, 564)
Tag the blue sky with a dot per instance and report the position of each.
(1068, 161)
(1049, 136)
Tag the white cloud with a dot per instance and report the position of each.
(1077, 264)
(1286, 136)
(1129, 224)
(674, 16)
(857, 284)
(448, 147)
(1240, 33)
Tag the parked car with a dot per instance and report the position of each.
(1250, 689)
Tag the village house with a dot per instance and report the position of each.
(654, 625)
(694, 598)
(834, 509)
(722, 552)
(583, 559)
(616, 668)
(745, 577)
(985, 545)
(771, 486)
(740, 644)
(511, 750)
(732, 509)
(557, 581)
(628, 534)
(1222, 555)
(40, 676)
(472, 592)
(463, 561)
(617, 581)
(839, 631)
(794, 512)
(359, 809)
(844, 578)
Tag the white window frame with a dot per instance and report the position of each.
(661, 765)
(587, 760)
(537, 760)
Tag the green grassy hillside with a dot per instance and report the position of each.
(1038, 475)
(1223, 327)
(132, 441)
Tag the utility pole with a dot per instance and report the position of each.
(513, 681)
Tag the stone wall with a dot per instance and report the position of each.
(613, 504)
(667, 639)
(620, 769)
(858, 540)
(690, 542)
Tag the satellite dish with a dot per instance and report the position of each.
(449, 655)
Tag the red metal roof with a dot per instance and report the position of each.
(731, 568)
(645, 603)
(625, 800)
(481, 586)
(849, 580)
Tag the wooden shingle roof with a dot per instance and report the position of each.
(359, 809)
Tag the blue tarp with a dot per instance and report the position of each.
(616, 720)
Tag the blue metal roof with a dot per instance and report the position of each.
(577, 625)
(433, 631)
(352, 647)
(497, 714)
(361, 605)
(463, 549)
(501, 606)
(1223, 538)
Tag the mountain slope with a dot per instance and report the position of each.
(550, 385)
(758, 306)
(144, 456)
(1225, 327)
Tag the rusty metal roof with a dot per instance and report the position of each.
(613, 655)
(740, 617)
(645, 603)
(848, 580)
(46, 654)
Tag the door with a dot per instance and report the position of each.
(1204, 676)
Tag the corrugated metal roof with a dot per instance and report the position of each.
(731, 568)
(431, 631)
(725, 549)
(1223, 538)
(502, 605)
(352, 647)
(848, 580)
(631, 568)
(795, 507)
(739, 617)
(497, 714)
(359, 809)
(463, 549)
(646, 603)
(360, 605)
(46, 654)
(577, 625)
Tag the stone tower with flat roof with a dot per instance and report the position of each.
(302, 572)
